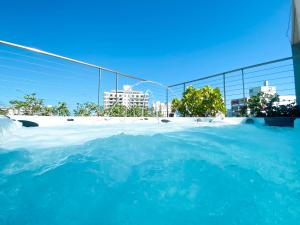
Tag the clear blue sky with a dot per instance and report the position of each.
(164, 40)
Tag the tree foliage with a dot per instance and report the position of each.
(3, 112)
(201, 102)
(62, 109)
(258, 104)
(32, 105)
(118, 110)
(48, 111)
(86, 109)
(133, 111)
(263, 105)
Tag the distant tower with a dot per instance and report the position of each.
(295, 42)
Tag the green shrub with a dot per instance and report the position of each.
(265, 105)
(201, 102)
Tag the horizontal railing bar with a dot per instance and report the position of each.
(40, 72)
(208, 81)
(233, 94)
(234, 85)
(40, 64)
(233, 90)
(272, 68)
(34, 83)
(272, 79)
(290, 89)
(268, 74)
(232, 71)
(192, 81)
(67, 59)
(63, 64)
(42, 67)
(204, 84)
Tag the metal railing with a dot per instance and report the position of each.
(236, 84)
(56, 78)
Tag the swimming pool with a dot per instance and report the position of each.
(146, 172)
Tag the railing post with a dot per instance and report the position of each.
(116, 88)
(99, 83)
(224, 89)
(167, 99)
(243, 81)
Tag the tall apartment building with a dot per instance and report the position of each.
(126, 97)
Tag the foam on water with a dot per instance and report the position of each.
(237, 174)
(7, 126)
(58, 132)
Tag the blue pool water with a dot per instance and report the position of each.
(240, 174)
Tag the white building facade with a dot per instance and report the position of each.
(126, 97)
(161, 108)
(286, 100)
(266, 89)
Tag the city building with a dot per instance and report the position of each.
(266, 89)
(161, 108)
(286, 100)
(126, 97)
(239, 107)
